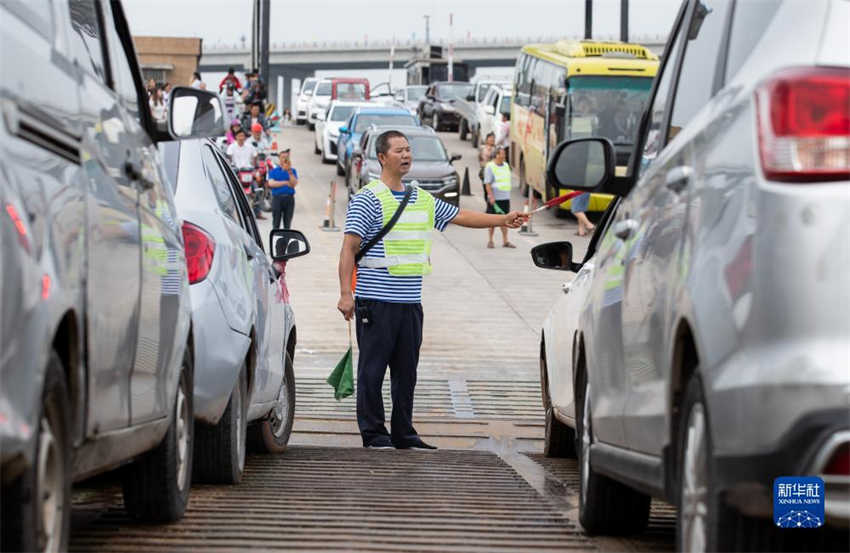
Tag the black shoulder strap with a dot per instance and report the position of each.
(387, 227)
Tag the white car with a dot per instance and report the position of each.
(302, 104)
(496, 102)
(476, 99)
(557, 342)
(319, 102)
(409, 96)
(326, 131)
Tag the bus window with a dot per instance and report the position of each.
(609, 106)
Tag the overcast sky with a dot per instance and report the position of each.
(326, 20)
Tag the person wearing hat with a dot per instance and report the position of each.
(282, 180)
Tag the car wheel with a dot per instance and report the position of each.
(475, 137)
(311, 126)
(271, 435)
(704, 522)
(156, 485)
(559, 439)
(220, 448)
(37, 506)
(462, 129)
(605, 505)
(299, 121)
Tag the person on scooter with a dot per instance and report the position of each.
(258, 140)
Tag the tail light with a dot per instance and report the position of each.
(839, 463)
(200, 248)
(804, 124)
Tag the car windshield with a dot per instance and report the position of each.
(415, 93)
(392, 119)
(324, 89)
(505, 106)
(309, 86)
(454, 91)
(605, 106)
(351, 91)
(422, 148)
(342, 113)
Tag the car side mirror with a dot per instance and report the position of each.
(555, 255)
(320, 116)
(195, 113)
(489, 110)
(343, 130)
(582, 164)
(454, 157)
(288, 243)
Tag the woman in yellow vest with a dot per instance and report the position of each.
(497, 183)
(387, 298)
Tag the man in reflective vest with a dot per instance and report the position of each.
(497, 183)
(387, 300)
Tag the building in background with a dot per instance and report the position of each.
(169, 59)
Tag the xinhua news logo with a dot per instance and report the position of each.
(798, 502)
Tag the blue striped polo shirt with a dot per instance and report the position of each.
(365, 219)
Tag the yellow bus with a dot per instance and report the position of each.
(574, 89)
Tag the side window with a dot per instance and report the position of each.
(696, 79)
(656, 134)
(522, 80)
(219, 184)
(85, 40)
(124, 83)
(751, 19)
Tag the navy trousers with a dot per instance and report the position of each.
(392, 336)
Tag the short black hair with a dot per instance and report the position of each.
(241, 130)
(231, 69)
(489, 134)
(197, 75)
(382, 144)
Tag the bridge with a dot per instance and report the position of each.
(299, 60)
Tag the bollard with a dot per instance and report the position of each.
(464, 189)
(527, 229)
(329, 224)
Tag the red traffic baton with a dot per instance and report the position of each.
(558, 200)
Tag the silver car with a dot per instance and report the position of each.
(244, 327)
(712, 354)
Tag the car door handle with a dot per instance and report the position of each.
(678, 178)
(625, 229)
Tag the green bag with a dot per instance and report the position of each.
(342, 377)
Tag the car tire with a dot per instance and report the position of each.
(606, 506)
(559, 440)
(311, 126)
(462, 129)
(46, 485)
(220, 448)
(156, 485)
(721, 529)
(476, 139)
(271, 435)
(299, 121)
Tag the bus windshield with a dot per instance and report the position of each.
(607, 106)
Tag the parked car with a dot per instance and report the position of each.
(302, 104)
(490, 111)
(558, 338)
(431, 169)
(468, 108)
(409, 96)
(244, 328)
(437, 106)
(95, 321)
(326, 133)
(707, 362)
(319, 101)
(360, 120)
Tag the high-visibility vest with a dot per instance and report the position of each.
(502, 174)
(407, 247)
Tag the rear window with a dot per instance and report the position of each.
(416, 92)
(309, 86)
(457, 91)
(351, 91)
(324, 89)
(395, 120)
(422, 148)
(341, 113)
